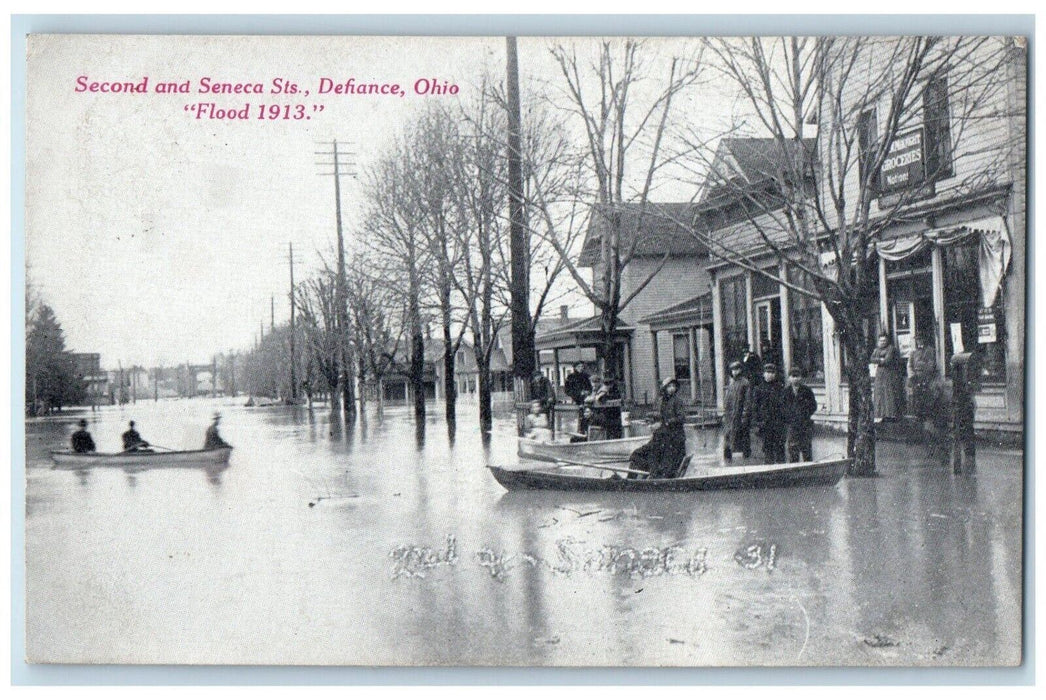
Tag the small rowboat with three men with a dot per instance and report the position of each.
(68, 459)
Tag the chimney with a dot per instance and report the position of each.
(564, 312)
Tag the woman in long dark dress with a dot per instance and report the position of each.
(662, 457)
(887, 388)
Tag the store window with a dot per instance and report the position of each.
(734, 299)
(909, 295)
(982, 330)
(937, 124)
(805, 328)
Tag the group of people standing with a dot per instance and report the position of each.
(781, 414)
(598, 401)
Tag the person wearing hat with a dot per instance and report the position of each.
(768, 414)
(82, 440)
(800, 407)
(737, 418)
(606, 408)
(212, 440)
(752, 366)
(132, 441)
(541, 390)
(662, 457)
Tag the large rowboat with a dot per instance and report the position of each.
(576, 477)
(80, 460)
(598, 450)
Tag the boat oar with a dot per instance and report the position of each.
(597, 465)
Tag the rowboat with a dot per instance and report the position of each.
(600, 450)
(578, 477)
(67, 459)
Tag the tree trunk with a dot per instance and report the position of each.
(860, 436)
(486, 413)
(450, 389)
(417, 374)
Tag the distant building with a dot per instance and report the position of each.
(96, 380)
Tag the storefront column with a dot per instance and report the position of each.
(885, 324)
(937, 278)
(555, 368)
(786, 325)
(717, 339)
(657, 363)
(750, 313)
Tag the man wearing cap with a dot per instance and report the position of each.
(800, 406)
(768, 414)
(212, 440)
(737, 418)
(82, 440)
(132, 440)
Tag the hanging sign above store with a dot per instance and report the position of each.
(904, 165)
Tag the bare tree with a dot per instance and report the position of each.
(378, 308)
(624, 127)
(833, 109)
(316, 301)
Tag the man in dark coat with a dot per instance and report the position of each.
(82, 440)
(737, 418)
(578, 386)
(662, 457)
(768, 414)
(212, 440)
(606, 406)
(800, 406)
(752, 365)
(964, 385)
(132, 440)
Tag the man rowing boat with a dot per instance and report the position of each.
(132, 441)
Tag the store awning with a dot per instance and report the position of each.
(993, 256)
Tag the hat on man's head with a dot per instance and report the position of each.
(83, 423)
(795, 372)
(736, 364)
(667, 382)
(131, 424)
(769, 367)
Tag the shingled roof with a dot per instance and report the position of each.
(663, 227)
(751, 162)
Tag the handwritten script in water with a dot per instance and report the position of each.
(277, 92)
(572, 556)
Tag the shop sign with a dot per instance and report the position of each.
(986, 326)
(904, 165)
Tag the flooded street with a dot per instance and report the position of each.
(320, 545)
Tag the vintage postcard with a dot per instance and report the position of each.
(414, 351)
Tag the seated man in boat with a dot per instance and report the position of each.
(212, 440)
(132, 441)
(662, 457)
(536, 424)
(82, 440)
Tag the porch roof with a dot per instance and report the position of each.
(585, 332)
(692, 312)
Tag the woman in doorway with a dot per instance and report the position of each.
(887, 391)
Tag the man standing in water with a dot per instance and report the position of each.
(737, 417)
(769, 404)
(82, 440)
(800, 406)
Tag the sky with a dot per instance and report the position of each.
(159, 237)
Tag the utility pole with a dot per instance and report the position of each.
(344, 354)
(272, 314)
(522, 330)
(294, 379)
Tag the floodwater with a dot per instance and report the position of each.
(370, 546)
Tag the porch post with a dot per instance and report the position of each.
(750, 313)
(628, 367)
(885, 324)
(657, 362)
(717, 339)
(691, 336)
(555, 367)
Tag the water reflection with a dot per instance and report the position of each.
(289, 554)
